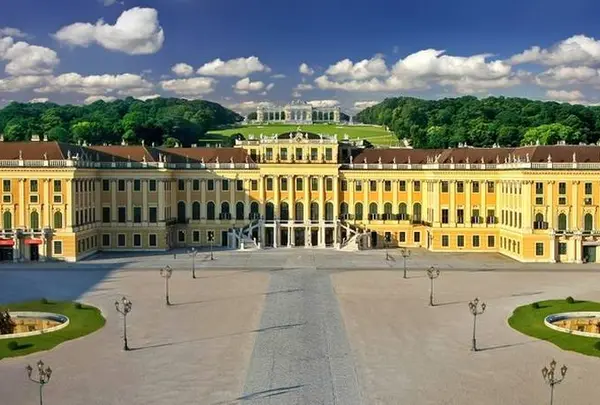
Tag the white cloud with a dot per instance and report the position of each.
(306, 70)
(565, 95)
(12, 32)
(361, 105)
(93, 99)
(136, 32)
(303, 87)
(364, 69)
(148, 97)
(324, 103)
(39, 100)
(371, 85)
(111, 2)
(244, 86)
(239, 67)
(124, 84)
(567, 75)
(296, 94)
(26, 59)
(578, 49)
(18, 83)
(278, 76)
(192, 87)
(270, 86)
(248, 106)
(182, 70)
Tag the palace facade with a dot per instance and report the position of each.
(298, 112)
(66, 202)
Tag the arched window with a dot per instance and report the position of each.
(387, 211)
(314, 211)
(562, 222)
(34, 220)
(181, 212)
(373, 210)
(358, 211)
(239, 210)
(343, 208)
(7, 220)
(588, 222)
(58, 220)
(270, 211)
(329, 211)
(224, 207)
(254, 210)
(196, 210)
(539, 217)
(284, 211)
(417, 211)
(210, 210)
(299, 209)
(402, 211)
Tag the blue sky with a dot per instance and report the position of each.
(241, 53)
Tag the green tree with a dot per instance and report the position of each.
(550, 134)
(58, 134)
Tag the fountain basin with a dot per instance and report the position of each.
(575, 323)
(30, 323)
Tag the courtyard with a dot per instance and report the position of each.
(301, 326)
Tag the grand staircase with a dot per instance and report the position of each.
(357, 237)
(242, 237)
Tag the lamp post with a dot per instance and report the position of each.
(405, 255)
(193, 253)
(432, 273)
(476, 308)
(211, 239)
(551, 379)
(124, 307)
(43, 377)
(166, 273)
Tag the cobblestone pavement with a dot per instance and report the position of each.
(301, 326)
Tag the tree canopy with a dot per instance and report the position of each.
(159, 121)
(484, 122)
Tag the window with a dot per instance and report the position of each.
(314, 184)
(460, 241)
(417, 237)
(33, 186)
(284, 184)
(417, 186)
(34, 198)
(105, 239)
(344, 185)
(196, 236)
(210, 185)
(224, 185)
(475, 240)
(328, 154)
(490, 187)
(299, 184)
(58, 186)
(358, 211)
(210, 210)
(269, 153)
(358, 185)
(181, 185)
(387, 185)
(562, 248)
(402, 237)
(588, 188)
(121, 185)
(7, 220)
(372, 185)
(460, 187)
(152, 185)
(121, 240)
(444, 186)
(444, 215)
(562, 188)
(475, 218)
(137, 185)
(57, 247)
(269, 184)
(539, 188)
(402, 185)
(34, 220)
(152, 214)
(105, 185)
(152, 240)
(445, 241)
(106, 214)
(299, 209)
(314, 154)
(196, 185)
(239, 185)
(284, 155)
(6, 186)
(588, 222)
(137, 214)
(475, 186)
(137, 240)
(58, 220)
(121, 214)
(539, 249)
(254, 185)
(491, 241)
(329, 184)
(460, 216)
(298, 153)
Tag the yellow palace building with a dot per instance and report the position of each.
(66, 202)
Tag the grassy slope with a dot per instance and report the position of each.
(530, 321)
(82, 322)
(375, 135)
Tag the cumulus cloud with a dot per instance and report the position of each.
(18, 83)
(278, 76)
(303, 87)
(324, 103)
(565, 95)
(248, 106)
(578, 49)
(244, 86)
(296, 94)
(123, 84)
(361, 105)
(364, 69)
(136, 32)
(12, 32)
(182, 70)
(26, 59)
(306, 70)
(192, 87)
(111, 2)
(39, 100)
(148, 97)
(239, 67)
(93, 99)
(270, 86)
(567, 75)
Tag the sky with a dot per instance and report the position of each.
(242, 53)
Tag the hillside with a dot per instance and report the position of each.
(160, 121)
(484, 122)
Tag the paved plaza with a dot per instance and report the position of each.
(301, 326)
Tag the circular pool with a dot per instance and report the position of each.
(575, 323)
(29, 323)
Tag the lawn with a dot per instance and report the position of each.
(83, 321)
(530, 321)
(374, 134)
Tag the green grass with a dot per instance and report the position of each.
(375, 135)
(530, 321)
(83, 321)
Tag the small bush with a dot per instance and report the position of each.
(44, 300)
(78, 305)
(535, 305)
(13, 345)
(570, 300)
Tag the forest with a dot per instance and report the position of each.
(484, 122)
(163, 121)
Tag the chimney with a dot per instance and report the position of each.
(194, 145)
(35, 138)
(2, 138)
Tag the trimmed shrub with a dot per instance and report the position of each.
(13, 345)
(570, 300)
(44, 300)
(535, 305)
(78, 305)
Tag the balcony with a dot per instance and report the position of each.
(476, 220)
(540, 225)
(491, 220)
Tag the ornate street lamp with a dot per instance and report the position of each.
(166, 273)
(193, 253)
(476, 308)
(405, 253)
(43, 376)
(551, 379)
(124, 307)
(432, 273)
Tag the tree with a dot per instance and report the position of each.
(58, 134)
(252, 116)
(16, 130)
(86, 131)
(550, 134)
